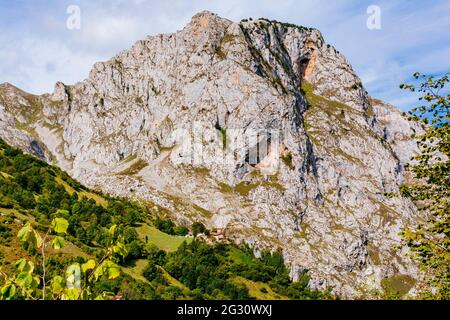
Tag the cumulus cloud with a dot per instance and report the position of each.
(38, 49)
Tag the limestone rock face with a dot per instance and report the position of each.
(258, 127)
(397, 130)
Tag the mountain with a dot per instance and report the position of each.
(258, 128)
(160, 261)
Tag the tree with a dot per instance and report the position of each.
(156, 255)
(130, 234)
(429, 242)
(198, 228)
(166, 226)
(181, 231)
(152, 273)
(134, 249)
(79, 278)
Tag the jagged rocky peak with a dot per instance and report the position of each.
(256, 127)
(60, 93)
(303, 51)
(207, 26)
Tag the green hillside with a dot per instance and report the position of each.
(157, 265)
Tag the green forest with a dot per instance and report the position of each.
(151, 258)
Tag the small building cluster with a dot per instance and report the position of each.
(214, 236)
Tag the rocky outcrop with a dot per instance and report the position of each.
(396, 129)
(257, 127)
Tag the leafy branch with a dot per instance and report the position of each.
(429, 242)
(69, 287)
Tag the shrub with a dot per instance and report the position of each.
(181, 231)
(198, 228)
(153, 274)
(166, 226)
(287, 159)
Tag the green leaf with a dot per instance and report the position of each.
(120, 249)
(21, 264)
(88, 265)
(8, 292)
(58, 243)
(112, 230)
(36, 282)
(99, 272)
(24, 266)
(24, 279)
(108, 269)
(23, 233)
(28, 234)
(113, 270)
(60, 225)
(36, 238)
(57, 285)
(114, 273)
(63, 212)
(71, 294)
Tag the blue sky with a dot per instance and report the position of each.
(37, 49)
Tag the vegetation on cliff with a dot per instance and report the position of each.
(75, 243)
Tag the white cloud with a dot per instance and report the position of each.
(36, 65)
(38, 50)
(107, 30)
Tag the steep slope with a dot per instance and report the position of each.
(160, 263)
(258, 127)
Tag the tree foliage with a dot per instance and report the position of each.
(43, 191)
(169, 227)
(429, 241)
(77, 281)
(209, 271)
(58, 222)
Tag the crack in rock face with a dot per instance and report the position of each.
(259, 128)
